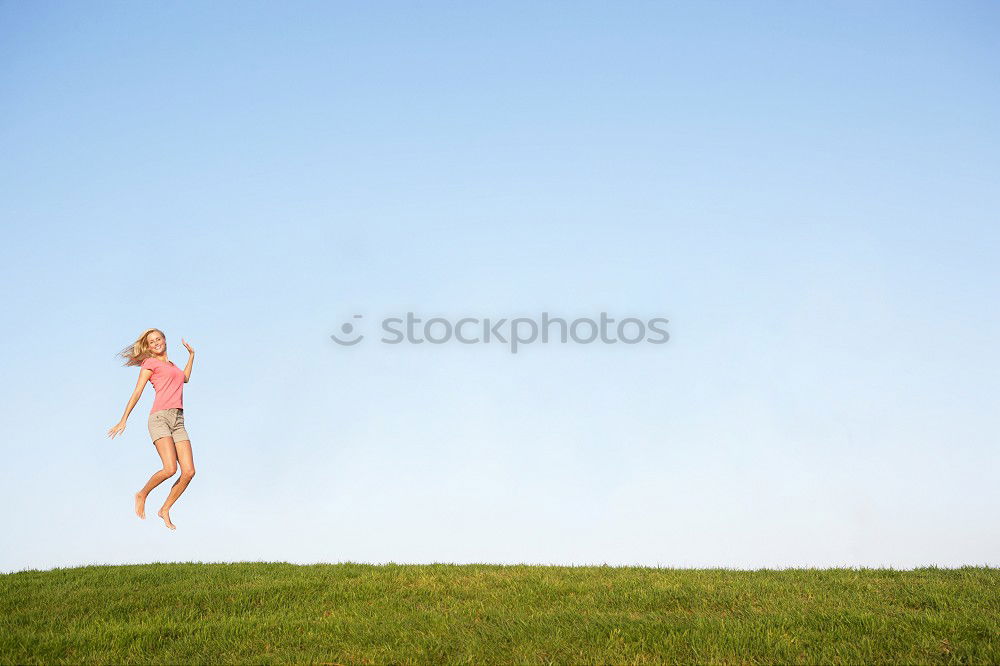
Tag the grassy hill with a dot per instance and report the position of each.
(367, 614)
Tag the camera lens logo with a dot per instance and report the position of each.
(347, 329)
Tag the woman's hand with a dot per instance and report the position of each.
(116, 429)
(187, 346)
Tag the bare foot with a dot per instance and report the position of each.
(140, 505)
(166, 518)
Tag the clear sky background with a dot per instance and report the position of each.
(807, 191)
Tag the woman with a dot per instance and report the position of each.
(166, 418)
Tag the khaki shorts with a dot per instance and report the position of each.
(168, 423)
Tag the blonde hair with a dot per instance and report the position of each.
(138, 351)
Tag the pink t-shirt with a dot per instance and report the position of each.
(168, 382)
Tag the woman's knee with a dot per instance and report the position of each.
(169, 470)
(188, 473)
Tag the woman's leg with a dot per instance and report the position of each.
(168, 456)
(186, 459)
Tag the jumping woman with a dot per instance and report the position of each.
(166, 418)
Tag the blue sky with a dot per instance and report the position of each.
(807, 191)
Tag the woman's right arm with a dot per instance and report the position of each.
(144, 376)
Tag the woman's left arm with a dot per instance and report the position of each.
(187, 368)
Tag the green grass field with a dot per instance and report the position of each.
(482, 614)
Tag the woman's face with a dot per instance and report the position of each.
(156, 343)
